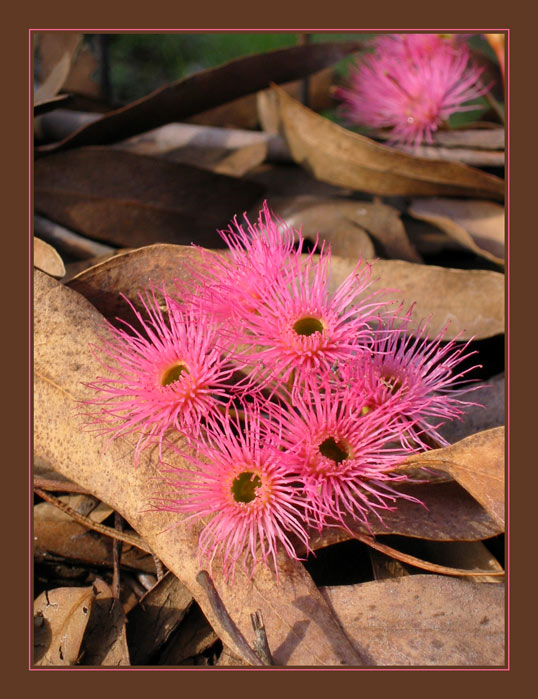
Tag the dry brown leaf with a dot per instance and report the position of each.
(130, 199)
(469, 301)
(47, 259)
(469, 156)
(336, 155)
(242, 160)
(477, 463)
(60, 619)
(193, 637)
(155, 618)
(423, 620)
(447, 513)
(472, 301)
(300, 628)
(476, 225)
(338, 221)
(490, 412)
(54, 536)
(56, 52)
(484, 136)
(105, 640)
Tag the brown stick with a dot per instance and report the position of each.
(261, 645)
(127, 538)
(225, 619)
(419, 563)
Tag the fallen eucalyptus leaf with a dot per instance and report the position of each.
(300, 628)
(154, 619)
(105, 640)
(477, 463)
(335, 218)
(490, 412)
(130, 199)
(193, 637)
(47, 259)
(423, 620)
(469, 301)
(447, 513)
(477, 225)
(339, 156)
(60, 619)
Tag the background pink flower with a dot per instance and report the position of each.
(411, 84)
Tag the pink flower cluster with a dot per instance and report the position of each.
(291, 402)
(411, 84)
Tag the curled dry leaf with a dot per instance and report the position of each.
(423, 620)
(477, 463)
(155, 618)
(448, 513)
(300, 628)
(338, 219)
(60, 619)
(47, 259)
(105, 640)
(468, 301)
(339, 156)
(244, 112)
(130, 199)
(477, 225)
(205, 90)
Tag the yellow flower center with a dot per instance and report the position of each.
(244, 486)
(308, 326)
(336, 451)
(173, 373)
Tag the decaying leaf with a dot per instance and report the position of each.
(60, 619)
(446, 513)
(423, 620)
(300, 628)
(56, 53)
(477, 225)
(244, 112)
(55, 537)
(470, 302)
(105, 640)
(207, 89)
(193, 637)
(156, 617)
(336, 155)
(489, 413)
(477, 463)
(338, 221)
(130, 199)
(47, 259)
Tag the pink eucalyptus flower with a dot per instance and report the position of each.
(232, 283)
(242, 481)
(411, 85)
(413, 377)
(167, 374)
(344, 455)
(299, 328)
